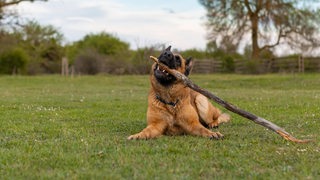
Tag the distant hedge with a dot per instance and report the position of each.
(13, 61)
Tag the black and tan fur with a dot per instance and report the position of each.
(173, 108)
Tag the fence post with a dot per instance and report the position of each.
(301, 64)
(72, 71)
(64, 67)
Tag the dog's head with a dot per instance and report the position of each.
(173, 61)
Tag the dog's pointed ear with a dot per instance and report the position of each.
(189, 65)
(168, 48)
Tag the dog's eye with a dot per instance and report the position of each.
(178, 61)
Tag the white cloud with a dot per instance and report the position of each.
(139, 22)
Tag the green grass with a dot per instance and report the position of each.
(76, 128)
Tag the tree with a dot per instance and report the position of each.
(103, 43)
(101, 52)
(270, 23)
(4, 4)
(43, 44)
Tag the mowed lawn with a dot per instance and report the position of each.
(76, 128)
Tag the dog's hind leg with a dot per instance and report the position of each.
(209, 114)
(190, 123)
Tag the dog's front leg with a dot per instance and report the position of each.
(153, 130)
(149, 132)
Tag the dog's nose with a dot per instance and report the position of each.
(168, 54)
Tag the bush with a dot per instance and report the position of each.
(13, 61)
(89, 62)
(253, 67)
(117, 65)
(228, 64)
(140, 60)
(99, 53)
(194, 53)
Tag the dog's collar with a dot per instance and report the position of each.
(167, 103)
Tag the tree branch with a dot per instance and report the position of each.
(185, 80)
(3, 3)
(275, 44)
(280, 35)
(247, 4)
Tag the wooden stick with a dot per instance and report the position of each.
(185, 80)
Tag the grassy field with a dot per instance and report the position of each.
(76, 128)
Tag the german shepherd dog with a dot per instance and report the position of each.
(173, 108)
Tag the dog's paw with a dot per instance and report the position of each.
(223, 118)
(133, 137)
(216, 135)
(137, 136)
(214, 124)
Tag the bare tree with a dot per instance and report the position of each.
(270, 23)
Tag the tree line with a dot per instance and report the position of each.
(31, 48)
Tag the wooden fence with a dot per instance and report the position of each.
(286, 65)
(206, 66)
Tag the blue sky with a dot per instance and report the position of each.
(179, 23)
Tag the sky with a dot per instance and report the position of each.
(141, 23)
